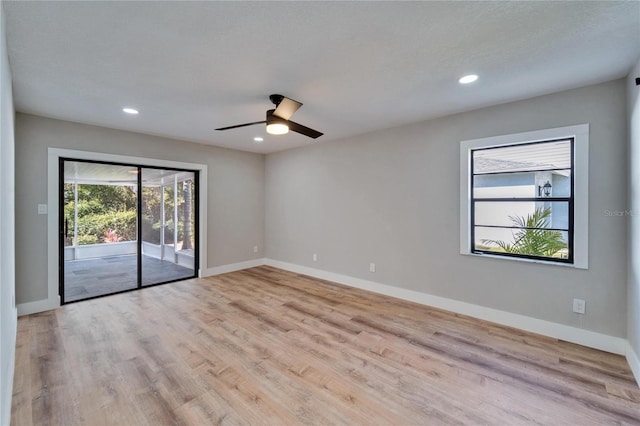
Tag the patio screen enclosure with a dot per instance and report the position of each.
(124, 227)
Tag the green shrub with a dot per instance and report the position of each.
(123, 223)
(84, 240)
(151, 231)
(89, 207)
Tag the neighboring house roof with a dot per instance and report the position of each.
(492, 165)
(483, 165)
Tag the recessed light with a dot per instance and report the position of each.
(130, 110)
(258, 139)
(468, 79)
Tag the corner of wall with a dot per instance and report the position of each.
(7, 385)
(634, 362)
(633, 224)
(8, 314)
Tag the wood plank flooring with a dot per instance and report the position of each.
(265, 346)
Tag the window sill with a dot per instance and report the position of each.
(519, 259)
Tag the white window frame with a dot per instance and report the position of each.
(580, 134)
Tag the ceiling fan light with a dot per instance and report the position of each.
(277, 129)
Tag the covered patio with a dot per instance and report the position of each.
(101, 247)
(88, 278)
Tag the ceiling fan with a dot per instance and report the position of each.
(278, 122)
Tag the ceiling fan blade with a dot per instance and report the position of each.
(286, 108)
(241, 125)
(303, 130)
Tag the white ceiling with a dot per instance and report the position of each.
(190, 67)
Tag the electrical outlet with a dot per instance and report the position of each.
(315, 257)
(579, 306)
(372, 267)
(42, 209)
(255, 249)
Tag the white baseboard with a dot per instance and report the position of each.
(634, 362)
(7, 387)
(580, 336)
(567, 333)
(223, 269)
(38, 306)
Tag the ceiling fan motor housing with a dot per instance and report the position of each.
(276, 99)
(273, 119)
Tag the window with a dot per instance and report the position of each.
(524, 196)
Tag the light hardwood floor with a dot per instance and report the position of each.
(265, 346)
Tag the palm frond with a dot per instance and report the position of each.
(533, 238)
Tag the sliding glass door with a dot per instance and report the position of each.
(100, 204)
(168, 221)
(123, 227)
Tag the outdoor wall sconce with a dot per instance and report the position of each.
(546, 189)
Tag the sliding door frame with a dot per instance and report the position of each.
(139, 285)
(53, 154)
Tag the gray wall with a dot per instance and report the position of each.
(392, 197)
(633, 290)
(8, 321)
(235, 208)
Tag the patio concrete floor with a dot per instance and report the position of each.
(100, 276)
